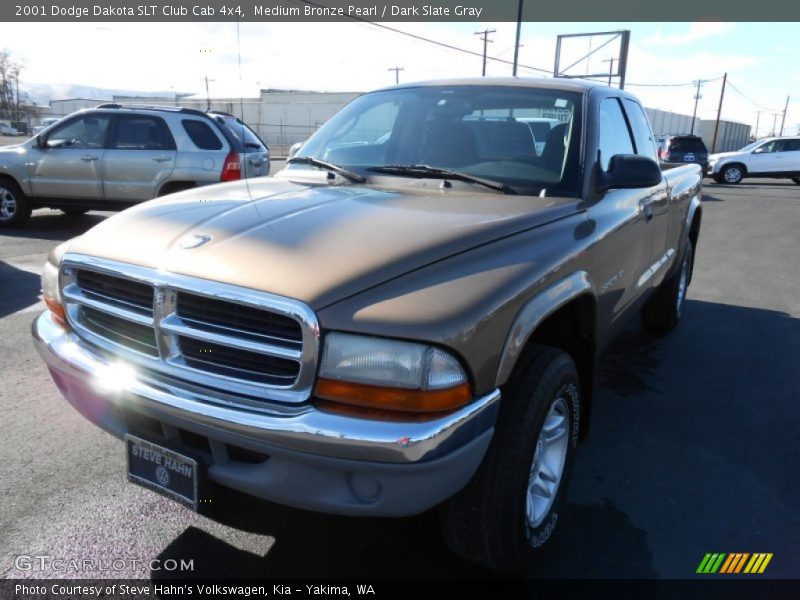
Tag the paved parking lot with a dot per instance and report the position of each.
(694, 444)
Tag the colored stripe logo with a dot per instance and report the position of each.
(734, 562)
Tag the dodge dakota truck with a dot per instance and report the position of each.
(407, 316)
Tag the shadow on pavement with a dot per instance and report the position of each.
(56, 226)
(671, 449)
(18, 289)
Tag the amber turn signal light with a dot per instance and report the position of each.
(395, 399)
(57, 310)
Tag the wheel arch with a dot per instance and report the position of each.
(171, 187)
(562, 316)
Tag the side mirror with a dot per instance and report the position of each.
(41, 141)
(294, 148)
(629, 171)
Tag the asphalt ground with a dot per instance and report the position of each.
(694, 444)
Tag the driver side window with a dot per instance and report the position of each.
(615, 137)
(768, 147)
(87, 131)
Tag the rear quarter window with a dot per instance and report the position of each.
(201, 135)
(687, 145)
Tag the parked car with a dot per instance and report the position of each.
(8, 130)
(114, 156)
(392, 322)
(682, 149)
(775, 157)
(44, 124)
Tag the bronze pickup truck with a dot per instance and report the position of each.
(407, 316)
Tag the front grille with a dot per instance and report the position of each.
(116, 290)
(120, 331)
(233, 362)
(235, 340)
(246, 321)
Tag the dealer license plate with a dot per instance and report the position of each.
(162, 470)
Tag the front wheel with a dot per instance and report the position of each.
(15, 210)
(732, 174)
(665, 308)
(512, 505)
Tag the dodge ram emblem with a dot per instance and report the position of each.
(193, 241)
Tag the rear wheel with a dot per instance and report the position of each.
(732, 174)
(15, 210)
(665, 308)
(511, 507)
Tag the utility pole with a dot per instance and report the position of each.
(208, 97)
(396, 73)
(485, 37)
(719, 113)
(610, 69)
(519, 30)
(758, 117)
(697, 97)
(774, 123)
(783, 120)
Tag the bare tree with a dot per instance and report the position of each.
(10, 71)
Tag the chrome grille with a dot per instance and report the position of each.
(232, 339)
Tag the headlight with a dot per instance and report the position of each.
(390, 375)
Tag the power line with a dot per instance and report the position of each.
(753, 102)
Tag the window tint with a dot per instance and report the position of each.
(687, 145)
(202, 135)
(243, 134)
(642, 134)
(789, 146)
(142, 132)
(87, 131)
(614, 135)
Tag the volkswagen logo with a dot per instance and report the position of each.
(193, 241)
(162, 476)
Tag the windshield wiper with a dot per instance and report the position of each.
(428, 171)
(324, 164)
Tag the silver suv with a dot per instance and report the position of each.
(113, 156)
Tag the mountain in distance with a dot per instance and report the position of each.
(41, 94)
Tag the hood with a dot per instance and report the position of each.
(314, 243)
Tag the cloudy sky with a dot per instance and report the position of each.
(760, 58)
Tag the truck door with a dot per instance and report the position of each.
(141, 156)
(658, 214)
(69, 165)
(621, 222)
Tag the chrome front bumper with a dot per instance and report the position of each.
(438, 456)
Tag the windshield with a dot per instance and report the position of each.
(484, 131)
(751, 146)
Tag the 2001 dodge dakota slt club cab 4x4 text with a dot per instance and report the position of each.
(408, 315)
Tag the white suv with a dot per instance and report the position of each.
(771, 157)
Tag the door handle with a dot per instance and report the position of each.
(162, 159)
(646, 206)
(88, 158)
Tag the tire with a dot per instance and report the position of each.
(74, 212)
(796, 180)
(664, 309)
(502, 518)
(732, 174)
(15, 210)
